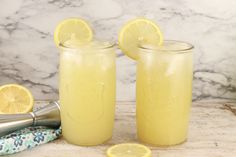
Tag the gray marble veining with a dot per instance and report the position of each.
(28, 55)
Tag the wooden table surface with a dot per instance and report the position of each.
(212, 133)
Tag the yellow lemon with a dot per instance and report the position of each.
(138, 31)
(129, 150)
(15, 99)
(73, 28)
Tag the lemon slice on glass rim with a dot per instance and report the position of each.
(139, 30)
(15, 99)
(128, 150)
(73, 29)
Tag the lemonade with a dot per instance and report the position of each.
(87, 92)
(164, 90)
(164, 82)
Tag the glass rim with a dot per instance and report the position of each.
(110, 44)
(185, 49)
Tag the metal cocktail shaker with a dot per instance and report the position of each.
(47, 116)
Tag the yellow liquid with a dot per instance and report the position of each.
(87, 96)
(164, 93)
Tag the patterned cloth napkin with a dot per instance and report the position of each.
(27, 138)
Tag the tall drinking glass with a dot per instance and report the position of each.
(164, 93)
(87, 92)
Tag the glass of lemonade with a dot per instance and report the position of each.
(164, 92)
(87, 92)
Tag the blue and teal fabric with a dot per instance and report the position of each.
(27, 138)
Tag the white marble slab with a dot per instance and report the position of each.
(28, 55)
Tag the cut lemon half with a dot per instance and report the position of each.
(138, 31)
(129, 150)
(75, 28)
(15, 99)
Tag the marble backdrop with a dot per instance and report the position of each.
(28, 55)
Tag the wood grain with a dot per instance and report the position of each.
(212, 133)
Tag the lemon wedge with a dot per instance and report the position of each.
(15, 99)
(129, 150)
(140, 30)
(73, 28)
